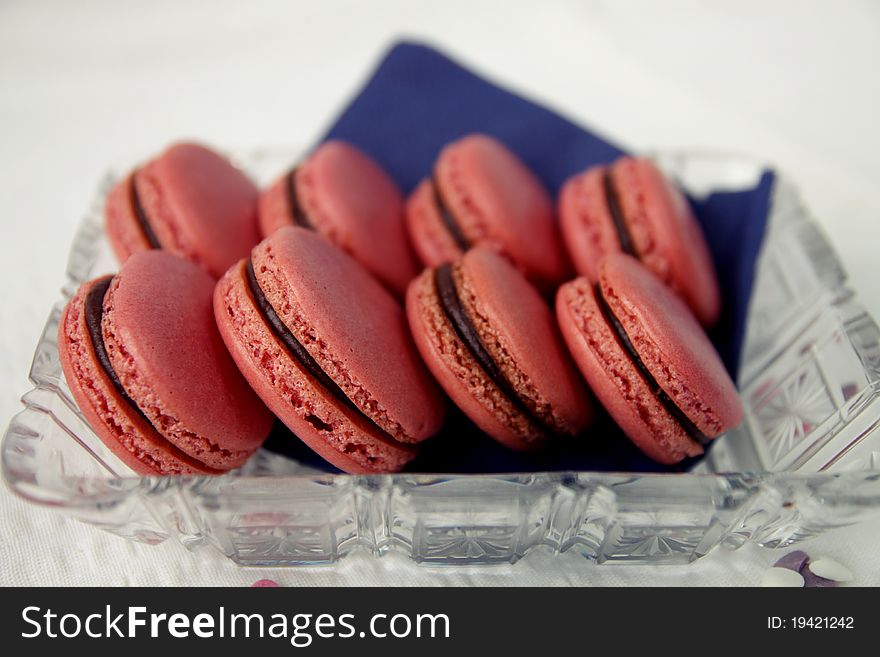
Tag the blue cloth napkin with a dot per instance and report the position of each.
(418, 100)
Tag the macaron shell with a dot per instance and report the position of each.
(119, 426)
(519, 332)
(500, 204)
(614, 379)
(429, 235)
(671, 344)
(327, 426)
(163, 343)
(668, 238)
(200, 206)
(460, 375)
(123, 230)
(585, 222)
(363, 209)
(360, 339)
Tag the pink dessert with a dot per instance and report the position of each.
(344, 195)
(630, 207)
(647, 359)
(491, 342)
(327, 349)
(481, 194)
(149, 371)
(189, 201)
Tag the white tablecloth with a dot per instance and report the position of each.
(88, 83)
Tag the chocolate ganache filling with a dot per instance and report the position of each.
(297, 214)
(448, 218)
(616, 210)
(141, 215)
(299, 353)
(94, 312)
(464, 328)
(623, 339)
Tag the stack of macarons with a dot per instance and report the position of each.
(334, 305)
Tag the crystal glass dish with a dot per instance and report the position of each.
(806, 459)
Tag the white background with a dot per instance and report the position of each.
(87, 84)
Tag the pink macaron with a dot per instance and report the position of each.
(491, 342)
(482, 194)
(343, 194)
(631, 207)
(189, 201)
(647, 359)
(327, 349)
(150, 373)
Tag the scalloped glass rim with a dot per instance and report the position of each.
(805, 460)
